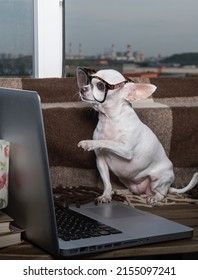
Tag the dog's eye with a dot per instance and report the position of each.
(101, 86)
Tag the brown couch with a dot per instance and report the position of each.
(172, 114)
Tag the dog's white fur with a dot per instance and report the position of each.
(125, 145)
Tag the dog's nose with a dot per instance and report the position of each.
(83, 90)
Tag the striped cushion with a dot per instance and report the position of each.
(172, 114)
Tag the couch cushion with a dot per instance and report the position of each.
(175, 87)
(64, 128)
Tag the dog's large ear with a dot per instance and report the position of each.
(137, 91)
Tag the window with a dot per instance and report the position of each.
(138, 38)
(31, 33)
(16, 33)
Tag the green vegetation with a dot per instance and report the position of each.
(182, 59)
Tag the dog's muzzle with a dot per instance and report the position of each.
(85, 93)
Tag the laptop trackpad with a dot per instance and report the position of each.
(109, 211)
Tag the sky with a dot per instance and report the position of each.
(16, 27)
(152, 27)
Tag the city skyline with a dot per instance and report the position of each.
(109, 53)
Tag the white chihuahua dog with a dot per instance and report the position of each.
(122, 143)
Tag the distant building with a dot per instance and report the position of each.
(113, 52)
(138, 57)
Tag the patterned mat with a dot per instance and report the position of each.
(82, 194)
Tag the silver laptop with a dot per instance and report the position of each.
(31, 202)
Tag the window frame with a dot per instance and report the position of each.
(49, 38)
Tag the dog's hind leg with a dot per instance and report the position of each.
(160, 189)
(142, 187)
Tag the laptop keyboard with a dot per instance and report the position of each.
(72, 225)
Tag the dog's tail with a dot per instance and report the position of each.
(189, 187)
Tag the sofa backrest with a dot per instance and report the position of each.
(172, 115)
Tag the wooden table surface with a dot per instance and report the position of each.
(184, 214)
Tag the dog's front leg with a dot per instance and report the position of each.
(117, 148)
(104, 173)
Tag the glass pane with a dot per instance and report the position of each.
(138, 38)
(16, 37)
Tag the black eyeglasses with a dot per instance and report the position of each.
(85, 77)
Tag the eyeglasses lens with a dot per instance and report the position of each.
(99, 92)
(82, 78)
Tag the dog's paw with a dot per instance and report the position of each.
(151, 200)
(87, 145)
(154, 199)
(103, 199)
